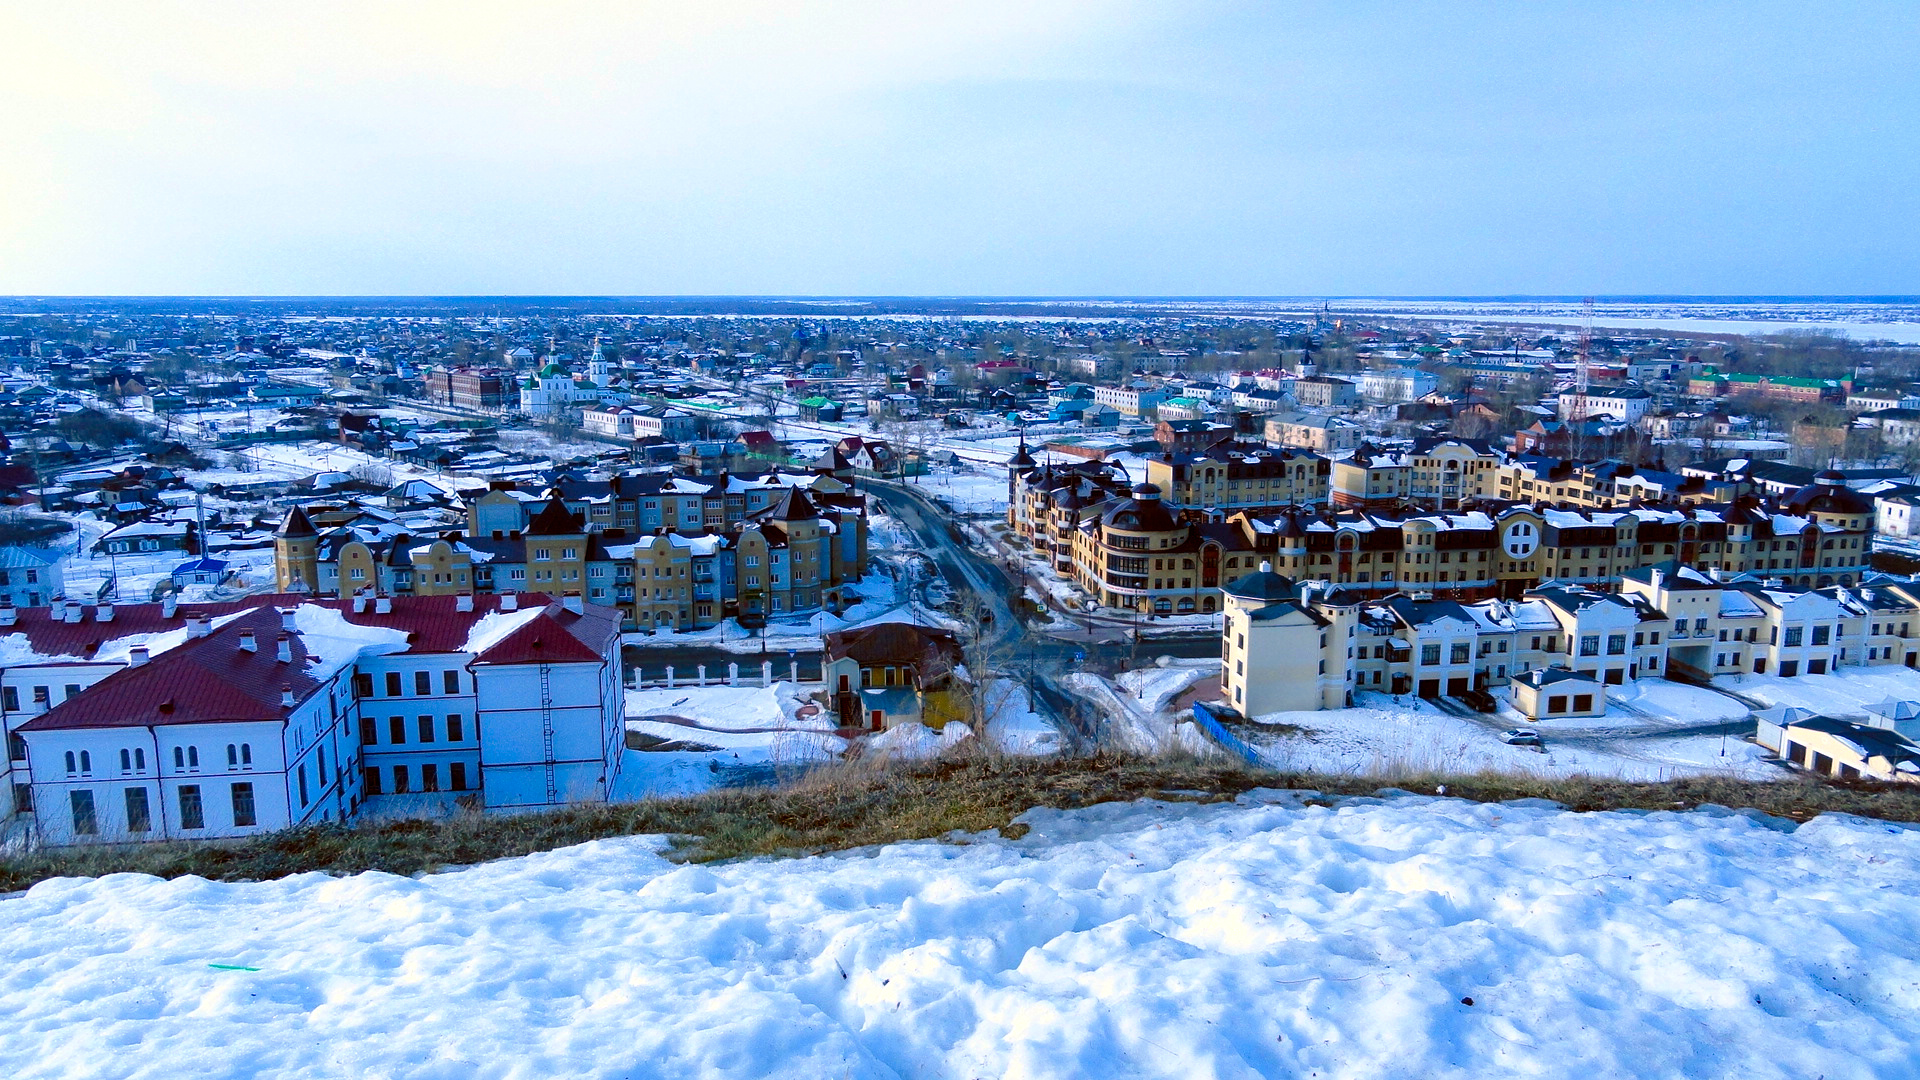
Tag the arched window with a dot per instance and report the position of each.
(70, 765)
(86, 762)
(140, 758)
(233, 755)
(246, 753)
(126, 761)
(179, 758)
(193, 757)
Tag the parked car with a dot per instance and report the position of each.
(1522, 736)
(1480, 700)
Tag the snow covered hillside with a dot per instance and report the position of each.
(1412, 937)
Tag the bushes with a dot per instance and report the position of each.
(862, 803)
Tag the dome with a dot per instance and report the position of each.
(1262, 585)
(1142, 513)
(1828, 494)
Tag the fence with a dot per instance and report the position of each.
(1207, 722)
(667, 676)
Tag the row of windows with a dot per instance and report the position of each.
(429, 778)
(397, 730)
(86, 821)
(393, 683)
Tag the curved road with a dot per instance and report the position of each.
(1019, 650)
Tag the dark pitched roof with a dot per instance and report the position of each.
(555, 519)
(895, 643)
(297, 524)
(793, 506)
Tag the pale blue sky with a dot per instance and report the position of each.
(1034, 147)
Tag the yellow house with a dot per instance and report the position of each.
(1557, 693)
(888, 674)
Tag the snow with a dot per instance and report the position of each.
(496, 626)
(914, 741)
(333, 643)
(1841, 696)
(1385, 736)
(1136, 704)
(746, 727)
(1261, 938)
(729, 708)
(1014, 727)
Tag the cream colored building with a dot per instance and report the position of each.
(1281, 654)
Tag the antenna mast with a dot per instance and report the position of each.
(1581, 373)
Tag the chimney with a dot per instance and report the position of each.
(287, 620)
(73, 612)
(248, 642)
(574, 604)
(168, 607)
(199, 626)
(9, 616)
(103, 613)
(463, 602)
(286, 697)
(359, 605)
(285, 648)
(509, 601)
(383, 605)
(136, 656)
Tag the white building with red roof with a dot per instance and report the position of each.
(229, 720)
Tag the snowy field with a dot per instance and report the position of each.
(1382, 736)
(1404, 938)
(1844, 695)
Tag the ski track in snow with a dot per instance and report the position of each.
(1262, 939)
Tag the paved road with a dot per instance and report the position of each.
(1037, 659)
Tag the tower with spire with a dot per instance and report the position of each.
(296, 554)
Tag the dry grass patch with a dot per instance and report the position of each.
(860, 804)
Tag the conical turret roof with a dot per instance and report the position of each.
(554, 519)
(297, 525)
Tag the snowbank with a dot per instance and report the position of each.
(1383, 737)
(1843, 695)
(1151, 940)
(913, 741)
(1013, 725)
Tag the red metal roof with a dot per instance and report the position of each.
(207, 680)
(50, 636)
(212, 679)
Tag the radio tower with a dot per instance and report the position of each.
(1580, 372)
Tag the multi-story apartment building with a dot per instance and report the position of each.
(1291, 645)
(667, 552)
(1324, 392)
(1391, 386)
(229, 720)
(1319, 434)
(1230, 477)
(1132, 401)
(469, 388)
(1623, 403)
(1440, 473)
(1816, 538)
